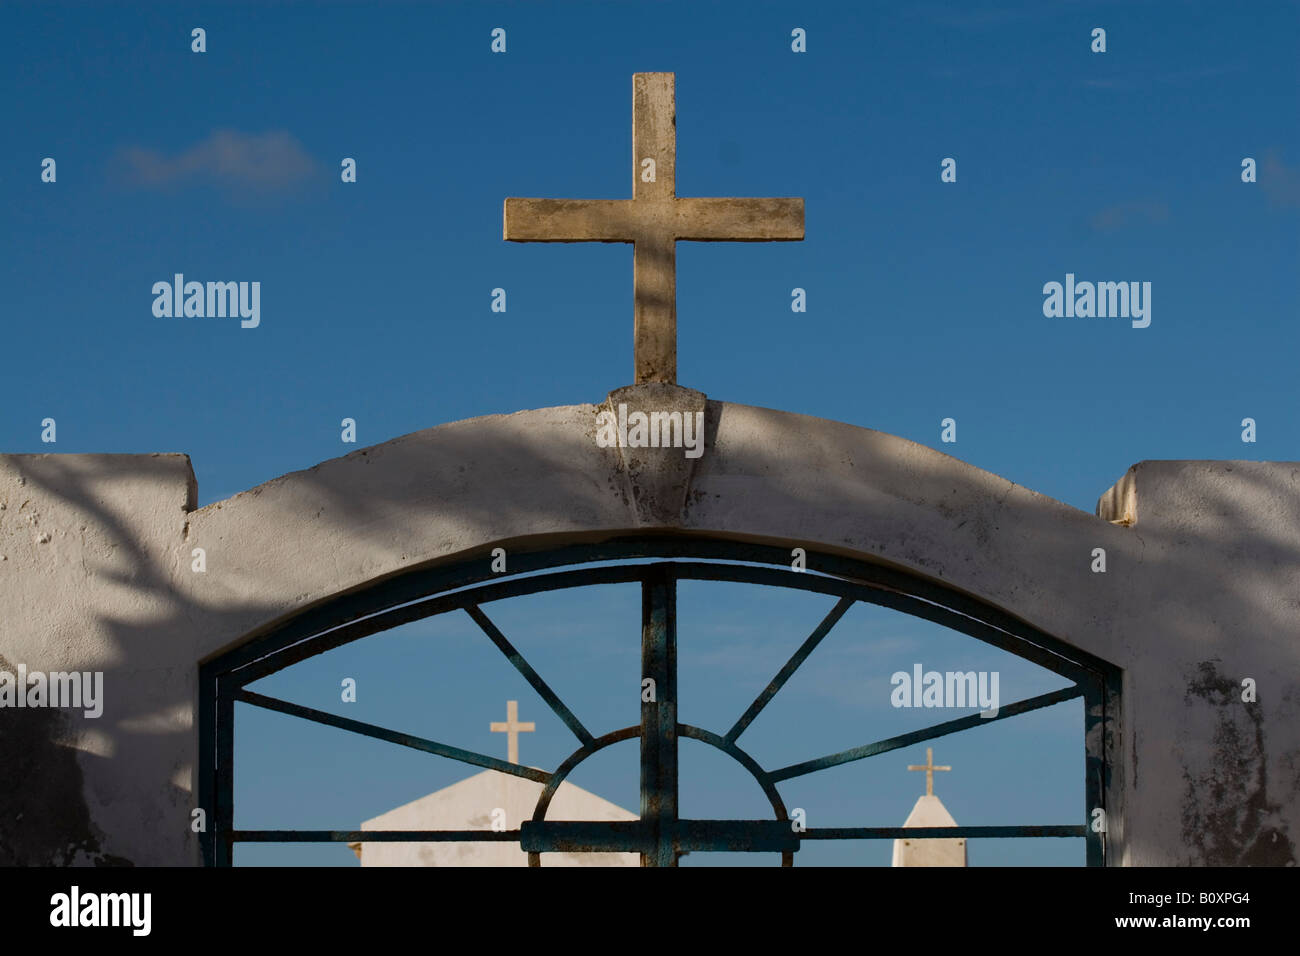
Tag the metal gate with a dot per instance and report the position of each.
(660, 836)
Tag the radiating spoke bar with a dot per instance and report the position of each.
(927, 733)
(792, 665)
(534, 679)
(392, 736)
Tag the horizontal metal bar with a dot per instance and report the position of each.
(940, 833)
(928, 733)
(373, 836)
(627, 835)
(743, 836)
(392, 736)
(637, 836)
(616, 836)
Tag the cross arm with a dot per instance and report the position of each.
(738, 220)
(626, 220)
(570, 220)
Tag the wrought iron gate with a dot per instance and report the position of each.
(660, 836)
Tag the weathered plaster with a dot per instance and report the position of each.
(1202, 589)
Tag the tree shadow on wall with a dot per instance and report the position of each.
(370, 514)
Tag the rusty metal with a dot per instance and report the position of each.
(659, 714)
(392, 736)
(927, 733)
(376, 836)
(677, 837)
(534, 679)
(404, 598)
(941, 833)
(659, 836)
(792, 665)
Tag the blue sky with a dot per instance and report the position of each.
(924, 298)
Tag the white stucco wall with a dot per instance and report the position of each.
(1201, 591)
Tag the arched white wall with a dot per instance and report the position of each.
(1199, 593)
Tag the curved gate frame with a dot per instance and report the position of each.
(659, 835)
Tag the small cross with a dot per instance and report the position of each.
(512, 728)
(929, 769)
(653, 220)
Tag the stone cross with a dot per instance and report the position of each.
(653, 220)
(929, 769)
(512, 728)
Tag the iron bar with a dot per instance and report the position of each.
(928, 733)
(682, 836)
(793, 664)
(534, 679)
(370, 614)
(467, 585)
(375, 836)
(392, 736)
(659, 713)
(626, 836)
(940, 833)
(924, 600)
(565, 768)
(405, 597)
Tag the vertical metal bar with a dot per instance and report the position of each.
(223, 815)
(1094, 742)
(659, 716)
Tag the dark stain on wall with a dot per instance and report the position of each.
(1227, 817)
(44, 820)
(1137, 742)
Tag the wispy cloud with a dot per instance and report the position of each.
(1126, 214)
(265, 162)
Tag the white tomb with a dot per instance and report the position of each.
(929, 812)
(469, 805)
(485, 800)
